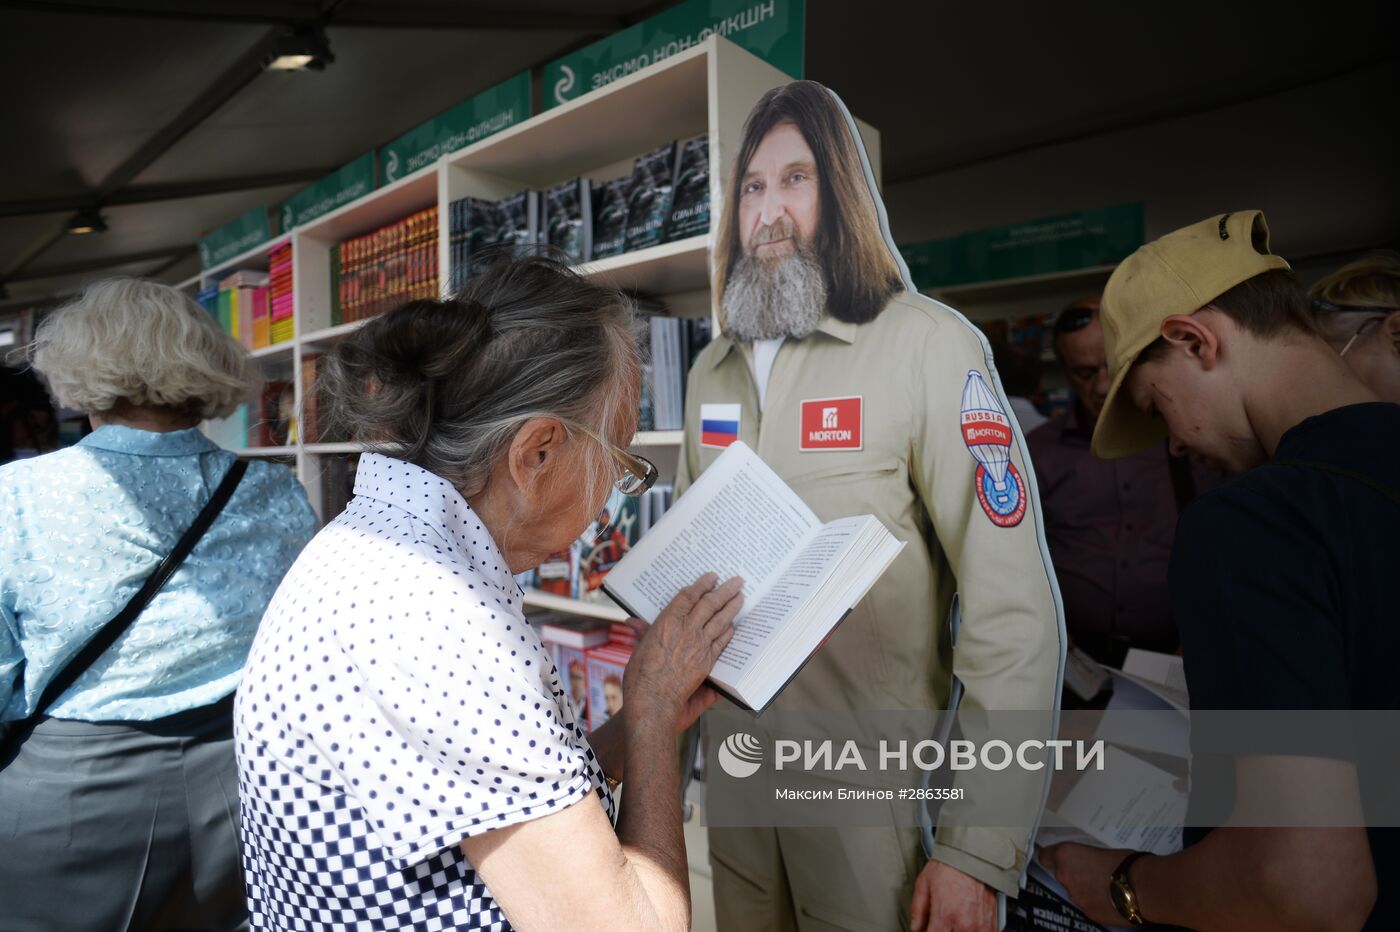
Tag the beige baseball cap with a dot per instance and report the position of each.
(1178, 274)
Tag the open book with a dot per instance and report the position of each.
(801, 577)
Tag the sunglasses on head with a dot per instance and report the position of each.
(1327, 307)
(1072, 319)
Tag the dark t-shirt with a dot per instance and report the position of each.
(1285, 588)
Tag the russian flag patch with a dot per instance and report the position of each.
(719, 425)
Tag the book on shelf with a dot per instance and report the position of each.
(607, 666)
(237, 302)
(558, 574)
(579, 572)
(310, 399)
(316, 426)
(337, 483)
(597, 557)
(277, 424)
(385, 268)
(518, 220)
(281, 306)
(568, 219)
(690, 203)
(472, 226)
(649, 193)
(674, 344)
(572, 664)
(801, 576)
(610, 217)
(577, 631)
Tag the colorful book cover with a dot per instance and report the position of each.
(606, 668)
(610, 217)
(690, 207)
(649, 194)
(596, 559)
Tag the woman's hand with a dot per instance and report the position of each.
(666, 675)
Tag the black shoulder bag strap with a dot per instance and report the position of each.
(108, 634)
(1381, 489)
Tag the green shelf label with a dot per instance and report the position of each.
(235, 237)
(484, 115)
(770, 29)
(335, 190)
(1037, 247)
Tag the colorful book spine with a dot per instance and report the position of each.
(385, 268)
(310, 400)
(262, 336)
(281, 308)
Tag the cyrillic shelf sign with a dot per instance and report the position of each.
(1037, 247)
(337, 189)
(770, 29)
(484, 115)
(235, 237)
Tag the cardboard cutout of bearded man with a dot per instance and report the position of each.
(869, 398)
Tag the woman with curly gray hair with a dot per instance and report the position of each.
(123, 633)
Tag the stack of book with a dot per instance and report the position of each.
(675, 342)
(281, 307)
(666, 197)
(476, 224)
(239, 302)
(242, 305)
(385, 268)
(591, 656)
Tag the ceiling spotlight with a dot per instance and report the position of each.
(301, 49)
(86, 221)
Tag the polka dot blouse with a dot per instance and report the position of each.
(396, 702)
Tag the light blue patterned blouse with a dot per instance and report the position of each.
(82, 528)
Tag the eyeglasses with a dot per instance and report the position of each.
(1365, 325)
(1327, 307)
(639, 474)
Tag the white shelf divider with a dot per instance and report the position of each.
(285, 348)
(290, 450)
(333, 333)
(658, 438)
(332, 448)
(534, 598)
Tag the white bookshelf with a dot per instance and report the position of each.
(709, 88)
(534, 598)
(266, 451)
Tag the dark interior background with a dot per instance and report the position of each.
(990, 113)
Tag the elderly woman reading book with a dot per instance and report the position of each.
(407, 750)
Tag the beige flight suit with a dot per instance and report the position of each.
(916, 473)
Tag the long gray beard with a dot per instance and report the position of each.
(764, 301)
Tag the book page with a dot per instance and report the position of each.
(739, 519)
(757, 625)
(1129, 804)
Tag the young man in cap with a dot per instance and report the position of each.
(1281, 580)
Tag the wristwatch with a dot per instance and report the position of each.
(1120, 888)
